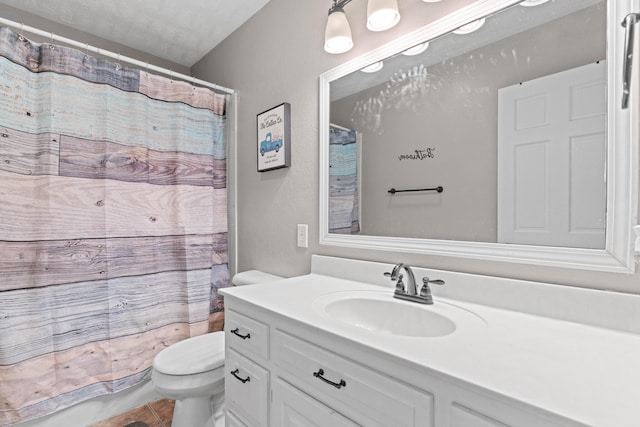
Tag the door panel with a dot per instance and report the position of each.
(552, 159)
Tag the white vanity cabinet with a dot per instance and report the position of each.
(280, 372)
(273, 377)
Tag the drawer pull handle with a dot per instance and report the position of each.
(244, 337)
(243, 380)
(320, 374)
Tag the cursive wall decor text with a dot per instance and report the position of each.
(427, 153)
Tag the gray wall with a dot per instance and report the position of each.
(274, 58)
(458, 118)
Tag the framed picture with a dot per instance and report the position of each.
(274, 138)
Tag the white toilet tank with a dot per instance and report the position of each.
(252, 277)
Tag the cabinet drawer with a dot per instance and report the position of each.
(246, 335)
(291, 407)
(246, 389)
(345, 386)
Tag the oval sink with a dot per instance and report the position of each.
(378, 311)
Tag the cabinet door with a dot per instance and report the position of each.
(246, 389)
(293, 408)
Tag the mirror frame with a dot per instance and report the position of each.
(622, 160)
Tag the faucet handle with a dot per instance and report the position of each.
(426, 281)
(425, 290)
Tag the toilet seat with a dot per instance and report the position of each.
(192, 356)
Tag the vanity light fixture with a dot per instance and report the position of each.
(470, 27)
(417, 49)
(381, 15)
(376, 66)
(529, 3)
(337, 34)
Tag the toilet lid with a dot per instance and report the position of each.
(193, 355)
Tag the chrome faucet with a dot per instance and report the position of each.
(411, 279)
(410, 292)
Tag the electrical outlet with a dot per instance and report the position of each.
(303, 235)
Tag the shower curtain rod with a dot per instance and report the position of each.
(116, 56)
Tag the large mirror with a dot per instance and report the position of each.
(494, 133)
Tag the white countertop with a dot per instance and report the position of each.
(585, 373)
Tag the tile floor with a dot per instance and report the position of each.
(154, 414)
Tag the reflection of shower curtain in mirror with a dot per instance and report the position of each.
(343, 181)
(113, 230)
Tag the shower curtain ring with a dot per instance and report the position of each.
(21, 36)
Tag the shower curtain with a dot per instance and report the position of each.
(113, 223)
(343, 181)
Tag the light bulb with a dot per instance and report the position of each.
(470, 27)
(382, 14)
(337, 34)
(532, 2)
(376, 66)
(417, 49)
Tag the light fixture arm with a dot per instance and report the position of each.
(337, 5)
(381, 15)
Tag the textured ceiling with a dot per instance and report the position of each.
(182, 31)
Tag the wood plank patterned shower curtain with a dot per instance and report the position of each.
(344, 217)
(113, 224)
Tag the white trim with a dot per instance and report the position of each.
(622, 182)
(116, 56)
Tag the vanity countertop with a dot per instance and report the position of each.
(585, 373)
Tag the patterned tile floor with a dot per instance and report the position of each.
(154, 414)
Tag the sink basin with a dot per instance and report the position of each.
(378, 311)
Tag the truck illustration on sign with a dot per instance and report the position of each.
(269, 145)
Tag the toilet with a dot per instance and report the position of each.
(191, 371)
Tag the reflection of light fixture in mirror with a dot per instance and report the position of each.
(382, 14)
(376, 66)
(337, 34)
(532, 2)
(470, 27)
(417, 49)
